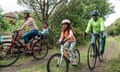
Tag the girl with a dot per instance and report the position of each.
(69, 38)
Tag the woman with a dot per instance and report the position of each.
(30, 22)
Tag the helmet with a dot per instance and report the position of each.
(94, 13)
(26, 11)
(66, 21)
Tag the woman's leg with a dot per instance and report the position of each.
(28, 36)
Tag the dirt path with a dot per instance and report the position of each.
(29, 64)
(109, 53)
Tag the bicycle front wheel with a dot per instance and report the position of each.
(8, 56)
(39, 50)
(91, 57)
(57, 63)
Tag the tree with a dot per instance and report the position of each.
(3, 24)
(42, 8)
(79, 12)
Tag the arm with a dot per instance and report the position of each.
(22, 27)
(61, 37)
(88, 27)
(25, 23)
(102, 25)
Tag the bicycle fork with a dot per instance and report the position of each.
(61, 57)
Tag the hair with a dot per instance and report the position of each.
(28, 15)
(68, 28)
(45, 23)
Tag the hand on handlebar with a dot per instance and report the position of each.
(101, 33)
(60, 42)
(15, 31)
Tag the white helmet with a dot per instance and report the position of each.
(26, 11)
(66, 21)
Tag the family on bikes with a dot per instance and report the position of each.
(68, 52)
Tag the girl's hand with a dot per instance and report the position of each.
(65, 40)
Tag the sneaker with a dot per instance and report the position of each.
(73, 62)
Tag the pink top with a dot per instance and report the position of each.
(68, 36)
(31, 23)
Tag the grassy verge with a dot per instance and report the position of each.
(42, 67)
(114, 64)
(83, 61)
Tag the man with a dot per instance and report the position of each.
(96, 23)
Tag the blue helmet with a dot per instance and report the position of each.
(95, 13)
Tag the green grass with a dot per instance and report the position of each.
(114, 64)
(42, 67)
(83, 61)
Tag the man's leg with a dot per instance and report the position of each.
(93, 43)
(103, 42)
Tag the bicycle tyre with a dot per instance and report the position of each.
(91, 53)
(12, 57)
(54, 56)
(39, 50)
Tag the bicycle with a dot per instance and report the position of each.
(94, 53)
(11, 50)
(59, 62)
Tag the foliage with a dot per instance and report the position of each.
(78, 12)
(42, 8)
(114, 29)
(3, 24)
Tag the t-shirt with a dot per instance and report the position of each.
(69, 35)
(96, 26)
(45, 31)
(31, 23)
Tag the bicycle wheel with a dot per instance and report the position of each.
(56, 63)
(77, 56)
(39, 50)
(91, 57)
(8, 57)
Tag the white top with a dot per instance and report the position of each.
(31, 23)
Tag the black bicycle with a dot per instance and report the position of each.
(94, 52)
(59, 62)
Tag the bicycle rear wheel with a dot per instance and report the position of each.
(39, 50)
(57, 63)
(77, 56)
(8, 57)
(91, 57)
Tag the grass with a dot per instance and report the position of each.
(114, 64)
(42, 66)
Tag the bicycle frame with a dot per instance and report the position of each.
(62, 51)
(16, 39)
(13, 41)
